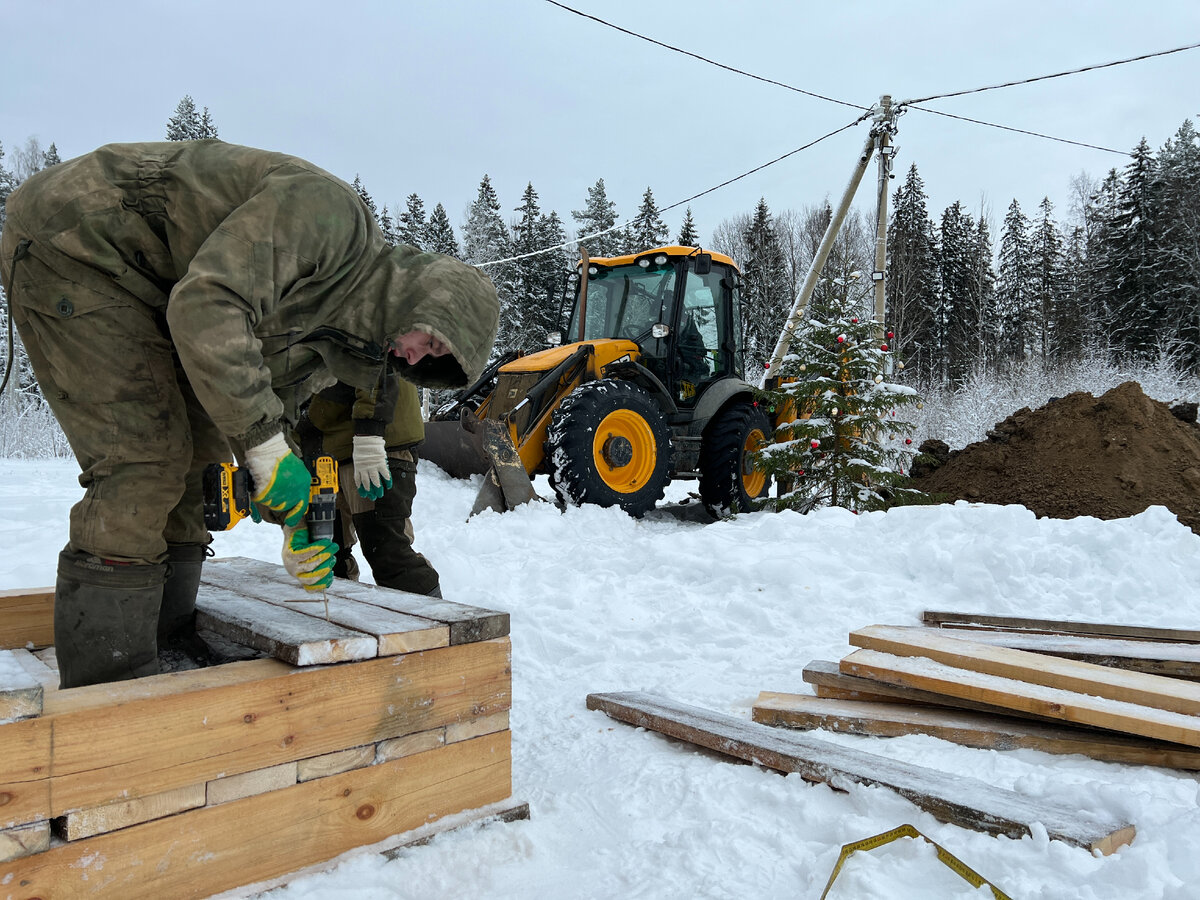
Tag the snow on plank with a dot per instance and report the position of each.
(1176, 659)
(395, 632)
(20, 692)
(467, 624)
(956, 799)
(1068, 706)
(294, 637)
(1067, 674)
(970, 729)
(1058, 626)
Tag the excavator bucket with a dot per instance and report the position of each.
(472, 446)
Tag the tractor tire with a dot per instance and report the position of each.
(727, 482)
(608, 444)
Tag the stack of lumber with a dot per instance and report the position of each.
(1113, 692)
(389, 715)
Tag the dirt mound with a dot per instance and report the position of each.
(1079, 455)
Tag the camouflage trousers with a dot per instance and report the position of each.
(106, 365)
(384, 528)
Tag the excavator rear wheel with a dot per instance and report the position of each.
(728, 481)
(608, 444)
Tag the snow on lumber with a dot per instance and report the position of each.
(1067, 674)
(1075, 707)
(970, 729)
(967, 621)
(20, 691)
(958, 800)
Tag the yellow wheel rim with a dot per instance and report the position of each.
(754, 482)
(624, 451)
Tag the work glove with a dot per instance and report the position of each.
(371, 472)
(281, 480)
(309, 562)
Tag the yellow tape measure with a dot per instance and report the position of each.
(948, 859)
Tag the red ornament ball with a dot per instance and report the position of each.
(908, 440)
(815, 443)
(883, 347)
(841, 339)
(855, 320)
(890, 335)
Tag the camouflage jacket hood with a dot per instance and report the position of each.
(274, 277)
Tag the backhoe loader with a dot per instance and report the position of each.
(648, 387)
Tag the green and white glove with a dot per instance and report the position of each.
(309, 562)
(281, 480)
(371, 472)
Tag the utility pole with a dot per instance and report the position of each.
(882, 128)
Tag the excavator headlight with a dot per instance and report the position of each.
(660, 260)
(644, 262)
(659, 330)
(592, 270)
(554, 338)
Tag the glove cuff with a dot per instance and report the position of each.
(261, 459)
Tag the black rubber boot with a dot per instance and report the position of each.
(105, 616)
(177, 615)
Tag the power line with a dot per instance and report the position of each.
(579, 240)
(1047, 137)
(703, 59)
(1091, 68)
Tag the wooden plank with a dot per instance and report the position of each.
(247, 784)
(24, 840)
(100, 819)
(1175, 659)
(24, 771)
(461, 731)
(146, 740)
(396, 632)
(335, 763)
(26, 617)
(1059, 626)
(20, 692)
(218, 848)
(829, 681)
(962, 801)
(1068, 706)
(409, 744)
(286, 634)
(467, 623)
(1050, 671)
(970, 729)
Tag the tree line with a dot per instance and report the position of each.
(1122, 277)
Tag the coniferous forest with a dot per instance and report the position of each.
(1100, 289)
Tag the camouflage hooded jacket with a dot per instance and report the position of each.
(274, 277)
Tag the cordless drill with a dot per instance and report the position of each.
(227, 491)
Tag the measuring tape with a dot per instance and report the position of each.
(949, 859)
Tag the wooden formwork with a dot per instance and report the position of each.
(389, 715)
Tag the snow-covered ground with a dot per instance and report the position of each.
(710, 615)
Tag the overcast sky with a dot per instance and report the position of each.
(428, 98)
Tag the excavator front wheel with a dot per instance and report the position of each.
(608, 444)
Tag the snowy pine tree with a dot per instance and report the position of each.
(441, 233)
(388, 226)
(1047, 280)
(767, 292)
(1136, 321)
(485, 242)
(911, 285)
(849, 445)
(596, 221)
(688, 235)
(1014, 287)
(189, 125)
(647, 230)
(365, 196)
(51, 157)
(537, 278)
(413, 227)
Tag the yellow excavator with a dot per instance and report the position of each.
(648, 386)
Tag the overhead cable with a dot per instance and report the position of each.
(703, 59)
(995, 87)
(587, 237)
(1047, 137)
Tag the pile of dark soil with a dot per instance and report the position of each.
(1079, 455)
